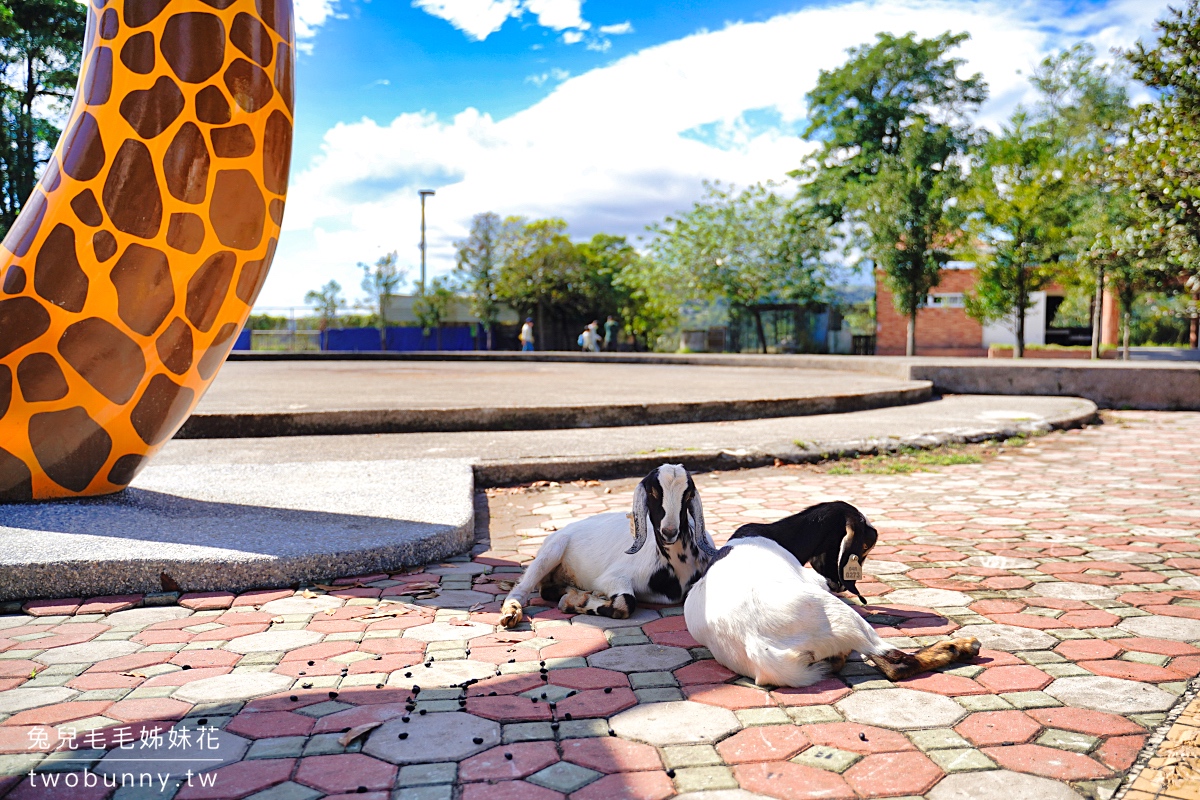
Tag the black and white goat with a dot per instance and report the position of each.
(589, 566)
(763, 614)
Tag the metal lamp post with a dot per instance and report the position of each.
(424, 193)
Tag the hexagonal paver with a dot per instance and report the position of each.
(1110, 694)
(88, 652)
(345, 772)
(1000, 784)
(272, 641)
(301, 605)
(15, 700)
(927, 598)
(902, 709)
(444, 736)
(639, 617)
(457, 598)
(889, 774)
(874, 567)
(232, 687)
(1068, 590)
(445, 632)
(205, 751)
(641, 658)
(675, 722)
(998, 727)
(1179, 629)
(441, 673)
(1009, 637)
(141, 617)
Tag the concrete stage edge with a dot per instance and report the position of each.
(1145, 385)
(235, 527)
(238, 527)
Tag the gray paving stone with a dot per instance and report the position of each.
(639, 617)
(902, 709)
(961, 760)
(19, 763)
(1009, 637)
(662, 694)
(564, 777)
(1114, 695)
(678, 722)
(155, 792)
(751, 717)
(427, 774)
(434, 737)
(1024, 700)
(927, 598)
(298, 604)
(226, 688)
(938, 739)
(141, 617)
(1068, 590)
(1000, 784)
(699, 779)
(273, 641)
(651, 680)
(442, 791)
(830, 759)
(288, 790)
(15, 700)
(876, 567)
(324, 744)
(278, 747)
(814, 715)
(443, 673)
(1001, 562)
(640, 658)
(983, 702)
(528, 732)
(204, 752)
(88, 652)
(690, 755)
(324, 709)
(1067, 740)
(457, 598)
(445, 632)
(1179, 629)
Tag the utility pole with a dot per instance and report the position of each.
(424, 193)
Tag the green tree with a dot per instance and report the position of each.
(40, 48)
(893, 128)
(748, 247)
(380, 281)
(1021, 212)
(328, 301)
(477, 269)
(542, 275)
(1158, 162)
(431, 307)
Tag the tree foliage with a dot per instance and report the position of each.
(477, 268)
(380, 281)
(40, 47)
(328, 301)
(893, 126)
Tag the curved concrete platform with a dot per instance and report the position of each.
(236, 527)
(314, 398)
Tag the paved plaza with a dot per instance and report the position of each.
(1072, 559)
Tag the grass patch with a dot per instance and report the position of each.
(907, 460)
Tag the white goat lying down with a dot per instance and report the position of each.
(589, 566)
(765, 615)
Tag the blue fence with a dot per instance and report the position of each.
(405, 339)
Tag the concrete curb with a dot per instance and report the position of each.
(503, 473)
(442, 420)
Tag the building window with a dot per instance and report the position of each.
(954, 300)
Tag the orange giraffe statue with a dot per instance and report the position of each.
(132, 268)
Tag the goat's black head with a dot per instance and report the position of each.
(667, 496)
(845, 546)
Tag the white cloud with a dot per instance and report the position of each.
(617, 30)
(557, 74)
(572, 37)
(558, 14)
(616, 148)
(478, 19)
(310, 15)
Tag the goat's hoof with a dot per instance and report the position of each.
(966, 647)
(836, 663)
(510, 614)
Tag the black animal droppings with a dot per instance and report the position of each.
(512, 661)
(611, 732)
(543, 695)
(567, 717)
(416, 690)
(491, 694)
(608, 690)
(534, 699)
(306, 686)
(478, 740)
(542, 663)
(408, 674)
(203, 721)
(379, 686)
(404, 718)
(421, 712)
(302, 673)
(508, 756)
(333, 695)
(670, 773)
(462, 703)
(293, 698)
(404, 735)
(361, 790)
(187, 666)
(312, 663)
(572, 693)
(553, 726)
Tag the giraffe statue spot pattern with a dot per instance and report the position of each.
(136, 259)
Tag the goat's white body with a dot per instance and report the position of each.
(590, 555)
(764, 615)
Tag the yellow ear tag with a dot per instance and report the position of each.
(853, 570)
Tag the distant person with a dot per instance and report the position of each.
(610, 333)
(589, 340)
(526, 336)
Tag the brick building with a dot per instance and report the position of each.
(944, 329)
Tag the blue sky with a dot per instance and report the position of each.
(608, 114)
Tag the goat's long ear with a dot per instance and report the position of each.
(699, 531)
(639, 519)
